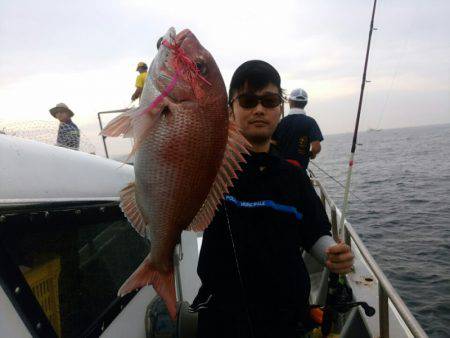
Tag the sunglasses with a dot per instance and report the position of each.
(249, 100)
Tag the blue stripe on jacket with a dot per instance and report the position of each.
(265, 204)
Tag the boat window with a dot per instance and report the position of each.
(74, 261)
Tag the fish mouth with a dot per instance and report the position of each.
(171, 35)
(165, 71)
(180, 37)
(163, 51)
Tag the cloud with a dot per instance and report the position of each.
(84, 52)
(85, 92)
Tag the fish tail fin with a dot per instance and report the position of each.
(162, 282)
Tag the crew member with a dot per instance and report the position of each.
(140, 80)
(68, 132)
(298, 136)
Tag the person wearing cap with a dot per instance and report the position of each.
(298, 136)
(68, 132)
(140, 80)
(254, 281)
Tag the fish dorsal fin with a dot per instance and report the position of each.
(130, 208)
(236, 146)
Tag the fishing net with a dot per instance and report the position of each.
(47, 132)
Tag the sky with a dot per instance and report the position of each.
(84, 53)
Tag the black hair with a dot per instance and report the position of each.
(297, 104)
(256, 74)
(159, 42)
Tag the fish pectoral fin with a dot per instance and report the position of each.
(236, 146)
(136, 122)
(131, 210)
(162, 282)
(145, 118)
(121, 125)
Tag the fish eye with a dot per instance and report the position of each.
(201, 68)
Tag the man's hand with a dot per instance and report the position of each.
(315, 149)
(137, 94)
(340, 258)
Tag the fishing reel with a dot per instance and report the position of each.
(339, 301)
(344, 308)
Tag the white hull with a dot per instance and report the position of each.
(42, 176)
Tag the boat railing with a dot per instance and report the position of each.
(99, 115)
(386, 291)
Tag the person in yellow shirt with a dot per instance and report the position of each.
(140, 80)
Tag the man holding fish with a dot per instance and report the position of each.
(254, 281)
(197, 169)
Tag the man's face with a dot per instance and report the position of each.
(62, 116)
(257, 124)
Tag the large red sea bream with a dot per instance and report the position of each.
(186, 153)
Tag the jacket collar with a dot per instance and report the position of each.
(269, 160)
(296, 111)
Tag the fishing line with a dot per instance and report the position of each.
(403, 49)
(239, 273)
(183, 66)
(394, 77)
(341, 184)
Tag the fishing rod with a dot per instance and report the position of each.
(355, 133)
(339, 295)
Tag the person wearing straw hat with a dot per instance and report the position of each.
(140, 80)
(298, 136)
(68, 132)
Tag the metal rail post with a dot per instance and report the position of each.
(383, 312)
(103, 136)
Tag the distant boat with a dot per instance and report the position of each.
(374, 129)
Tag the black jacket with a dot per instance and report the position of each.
(272, 211)
(294, 135)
